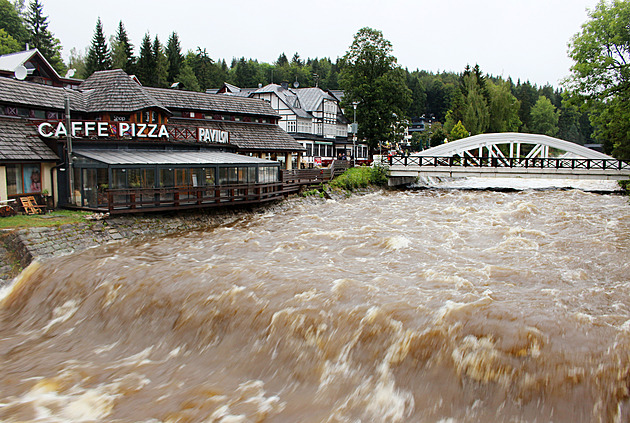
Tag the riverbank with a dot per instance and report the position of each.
(19, 247)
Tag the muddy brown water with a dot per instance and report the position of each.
(432, 306)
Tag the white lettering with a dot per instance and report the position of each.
(76, 127)
(213, 135)
(141, 128)
(41, 131)
(61, 130)
(153, 128)
(89, 127)
(163, 131)
(102, 128)
(122, 128)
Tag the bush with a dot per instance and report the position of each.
(360, 177)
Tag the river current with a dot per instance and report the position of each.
(441, 305)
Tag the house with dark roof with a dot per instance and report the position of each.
(313, 117)
(30, 65)
(111, 144)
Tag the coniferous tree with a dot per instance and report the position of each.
(122, 51)
(145, 70)
(41, 38)
(98, 56)
(174, 56)
(161, 65)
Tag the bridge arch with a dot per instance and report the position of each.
(488, 145)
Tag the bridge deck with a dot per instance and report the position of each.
(489, 167)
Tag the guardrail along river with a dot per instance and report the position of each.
(419, 306)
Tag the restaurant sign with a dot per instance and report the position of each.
(102, 129)
(213, 135)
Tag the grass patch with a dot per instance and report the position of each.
(360, 177)
(312, 193)
(56, 218)
(625, 185)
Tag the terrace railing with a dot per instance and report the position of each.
(179, 198)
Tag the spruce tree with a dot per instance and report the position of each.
(122, 51)
(98, 56)
(174, 56)
(41, 38)
(145, 69)
(161, 64)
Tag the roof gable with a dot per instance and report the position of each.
(36, 66)
(115, 91)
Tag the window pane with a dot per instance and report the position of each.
(119, 178)
(14, 179)
(210, 176)
(32, 178)
(223, 176)
(167, 178)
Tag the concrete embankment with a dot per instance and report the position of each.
(18, 248)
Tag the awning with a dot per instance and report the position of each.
(133, 157)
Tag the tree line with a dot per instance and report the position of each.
(457, 104)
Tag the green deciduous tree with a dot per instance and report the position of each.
(8, 44)
(41, 38)
(372, 78)
(122, 51)
(504, 108)
(600, 76)
(12, 23)
(544, 118)
(77, 62)
(98, 56)
(187, 78)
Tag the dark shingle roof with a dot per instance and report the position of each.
(193, 101)
(19, 141)
(115, 91)
(37, 95)
(251, 136)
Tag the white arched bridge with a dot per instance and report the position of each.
(508, 155)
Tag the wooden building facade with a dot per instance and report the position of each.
(110, 144)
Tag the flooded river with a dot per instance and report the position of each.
(439, 305)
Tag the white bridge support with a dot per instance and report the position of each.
(509, 155)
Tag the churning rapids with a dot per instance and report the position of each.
(419, 306)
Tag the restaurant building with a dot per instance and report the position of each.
(110, 144)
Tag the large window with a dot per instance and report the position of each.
(267, 174)
(24, 178)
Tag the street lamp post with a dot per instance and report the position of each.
(354, 134)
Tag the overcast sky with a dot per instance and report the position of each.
(524, 39)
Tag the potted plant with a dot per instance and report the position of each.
(47, 199)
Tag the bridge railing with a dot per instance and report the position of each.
(511, 162)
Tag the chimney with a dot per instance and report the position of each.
(285, 85)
